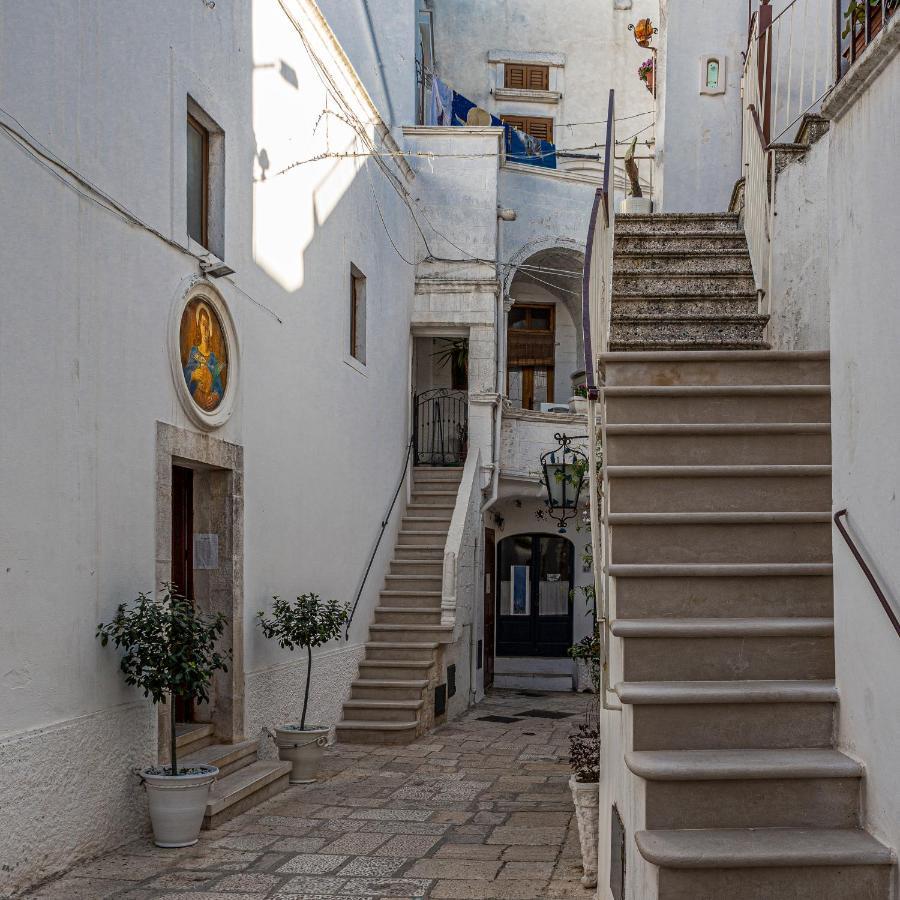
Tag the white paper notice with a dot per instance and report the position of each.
(206, 551)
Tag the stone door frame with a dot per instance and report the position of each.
(224, 462)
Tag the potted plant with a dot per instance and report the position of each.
(647, 72)
(169, 650)
(584, 758)
(578, 402)
(307, 622)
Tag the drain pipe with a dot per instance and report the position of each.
(504, 215)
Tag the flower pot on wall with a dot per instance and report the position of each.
(586, 796)
(648, 81)
(302, 748)
(177, 804)
(638, 206)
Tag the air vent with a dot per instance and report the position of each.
(440, 700)
(451, 680)
(479, 655)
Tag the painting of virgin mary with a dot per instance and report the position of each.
(204, 354)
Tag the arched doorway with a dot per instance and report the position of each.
(535, 574)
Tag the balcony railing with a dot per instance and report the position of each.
(857, 23)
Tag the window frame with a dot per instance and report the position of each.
(527, 70)
(524, 124)
(203, 131)
(358, 330)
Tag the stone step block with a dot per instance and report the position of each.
(666, 260)
(426, 523)
(382, 710)
(408, 567)
(375, 732)
(408, 615)
(392, 668)
(412, 599)
(679, 306)
(688, 333)
(711, 284)
(646, 242)
(413, 651)
(419, 538)
(413, 633)
(243, 789)
(430, 510)
(388, 689)
(676, 223)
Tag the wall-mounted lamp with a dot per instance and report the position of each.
(643, 32)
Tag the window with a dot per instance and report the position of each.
(357, 315)
(526, 77)
(197, 182)
(205, 180)
(537, 126)
(531, 349)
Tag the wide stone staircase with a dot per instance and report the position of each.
(244, 780)
(719, 497)
(683, 281)
(391, 699)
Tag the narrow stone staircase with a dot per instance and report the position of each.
(244, 780)
(391, 700)
(718, 521)
(683, 281)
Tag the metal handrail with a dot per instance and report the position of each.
(866, 571)
(384, 524)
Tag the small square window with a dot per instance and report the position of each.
(357, 315)
(526, 77)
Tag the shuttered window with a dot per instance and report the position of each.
(537, 126)
(526, 77)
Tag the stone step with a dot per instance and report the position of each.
(410, 633)
(664, 261)
(676, 223)
(426, 568)
(752, 864)
(193, 736)
(382, 710)
(423, 475)
(661, 307)
(719, 488)
(748, 788)
(375, 732)
(394, 669)
(720, 649)
(735, 538)
(408, 615)
(388, 689)
(431, 510)
(730, 715)
(439, 525)
(719, 444)
(244, 789)
(409, 538)
(423, 497)
(410, 599)
(711, 241)
(414, 651)
(640, 283)
(729, 591)
(415, 553)
(533, 681)
(688, 332)
(717, 403)
(752, 367)
(227, 758)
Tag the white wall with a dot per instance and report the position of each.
(86, 376)
(864, 269)
(699, 135)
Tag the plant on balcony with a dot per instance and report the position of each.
(307, 622)
(169, 650)
(647, 73)
(855, 13)
(584, 759)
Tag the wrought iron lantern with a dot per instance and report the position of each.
(643, 32)
(564, 470)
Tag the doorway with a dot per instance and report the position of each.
(183, 556)
(534, 604)
(490, 573)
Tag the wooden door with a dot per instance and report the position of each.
(183, 554)
(490, 571)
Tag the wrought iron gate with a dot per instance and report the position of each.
(440, 427)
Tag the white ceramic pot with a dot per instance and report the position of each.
(586, 796)
(640, 206)
(177, 804)
(578, 405)
(302, 749)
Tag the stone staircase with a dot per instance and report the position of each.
(391, 700)
(244, 780)
(720, 553)
(683, 281)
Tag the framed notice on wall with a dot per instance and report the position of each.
(521, 590)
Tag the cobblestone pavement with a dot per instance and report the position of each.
(476, 810)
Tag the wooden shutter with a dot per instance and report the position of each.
(521, 76)
(536, 126)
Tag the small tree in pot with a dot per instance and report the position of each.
(307, 622)
(584, 758)
(169, 650)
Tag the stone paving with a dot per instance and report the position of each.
(476, 810)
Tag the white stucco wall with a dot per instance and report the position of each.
(800, 291)
(86, 376)
(698, 135)
(864, 270)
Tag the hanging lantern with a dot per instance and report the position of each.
(564, 470)
(643, 32)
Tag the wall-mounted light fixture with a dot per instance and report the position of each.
(564, 470)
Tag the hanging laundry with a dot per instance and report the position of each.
(440, 110)
(523, 148)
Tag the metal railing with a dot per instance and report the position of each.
(440, 427)
(879, 593)
(787, 74)
(856, 24)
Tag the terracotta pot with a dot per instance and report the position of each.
(649, 82)
(177, 805)
(586, 796)
(303, 749)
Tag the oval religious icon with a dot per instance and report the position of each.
(204, 354)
